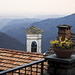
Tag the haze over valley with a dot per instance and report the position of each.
(16, 16)
(15, 28)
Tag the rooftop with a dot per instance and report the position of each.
(13, 58)
(64, 26)
(33, 30)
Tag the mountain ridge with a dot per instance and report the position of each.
(48, 26)
(8, 42)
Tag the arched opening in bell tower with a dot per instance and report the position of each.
(34, 47)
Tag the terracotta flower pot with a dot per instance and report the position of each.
(63, 53)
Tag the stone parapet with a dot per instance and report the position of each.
(60, 66)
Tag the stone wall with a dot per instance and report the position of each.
(60, 66)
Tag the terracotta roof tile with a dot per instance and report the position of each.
(13, 58)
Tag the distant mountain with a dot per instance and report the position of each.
(48, 25)
(3, 22)
(10, 43)
(49, 16)
(50, 29)
(15, 28)
(15, 23)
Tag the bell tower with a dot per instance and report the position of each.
(64, 31)
(33, 38)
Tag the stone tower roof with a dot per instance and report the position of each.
(33, 30)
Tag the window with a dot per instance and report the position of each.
(69, 28)
(34, 47)
(62, 29)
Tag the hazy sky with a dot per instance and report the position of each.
(36, 7)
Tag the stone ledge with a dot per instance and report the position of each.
(54, 58)
(59, 66)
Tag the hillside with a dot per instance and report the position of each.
(16, 23)
(48, 26)
(10, 43)
(50, 29)
(3, 22)
(15, 28)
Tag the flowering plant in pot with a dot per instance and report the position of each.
(63, 49)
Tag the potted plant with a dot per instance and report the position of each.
(63, 49)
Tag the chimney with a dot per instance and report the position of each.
(64, 31)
